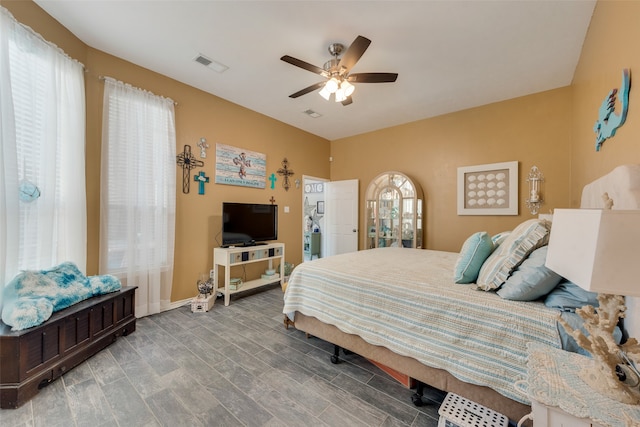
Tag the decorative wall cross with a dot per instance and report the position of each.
(286, 173)
(273, 180)
(201, 179)
(187, 161)
(203, 147)
(272, 200)
(244, 163)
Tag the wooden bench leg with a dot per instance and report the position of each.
(288, 322)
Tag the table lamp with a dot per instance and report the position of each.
(599, 250)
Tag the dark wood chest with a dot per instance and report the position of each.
(30, 359)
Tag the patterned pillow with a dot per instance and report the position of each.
(475, 250)
(527, 237)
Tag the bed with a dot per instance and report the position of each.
(401, 308)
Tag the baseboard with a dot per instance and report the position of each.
(178, 304)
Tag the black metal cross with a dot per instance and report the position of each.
(286, 173)
(187, 161)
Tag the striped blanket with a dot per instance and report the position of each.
(405, 300)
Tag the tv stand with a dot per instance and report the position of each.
(229, 257)
(244, 245)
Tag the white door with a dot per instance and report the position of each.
(341, 217)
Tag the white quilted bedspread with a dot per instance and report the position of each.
(405, 300)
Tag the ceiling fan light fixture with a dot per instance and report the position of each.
(325, 93)
(347, 88)
(332, 85)
(337, 71)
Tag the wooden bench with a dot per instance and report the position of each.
(32, 358)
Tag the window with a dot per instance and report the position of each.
(138, 192)
(42, 146)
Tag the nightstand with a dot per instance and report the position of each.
(559, 398)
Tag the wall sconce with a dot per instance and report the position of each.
(535, 180)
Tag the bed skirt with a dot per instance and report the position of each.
(434, 377)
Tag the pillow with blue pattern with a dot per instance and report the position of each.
(524, 239)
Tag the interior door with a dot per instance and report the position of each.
(341, 215)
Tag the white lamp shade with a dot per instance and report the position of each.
(598, 250)
(332, 85)
(325, 93)
(347, 87)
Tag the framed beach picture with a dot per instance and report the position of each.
(236, 166)
(490, 189)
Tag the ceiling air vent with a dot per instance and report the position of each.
(210, 63)
(312, 113)
(204, 61)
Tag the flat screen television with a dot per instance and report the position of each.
(246, 224)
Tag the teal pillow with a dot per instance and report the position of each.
(568, 296)
(499, 238)
(531, 280)
(475, 250)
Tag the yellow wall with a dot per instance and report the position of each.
(198, 114)
(552, 130)
(534, 130)
(611, 45)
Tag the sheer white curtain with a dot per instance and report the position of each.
(138, 194)
(42, 143)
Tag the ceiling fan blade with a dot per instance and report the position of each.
(347, 101)
(353, 53)
(372, 77)
(305, 65)
(306, 90)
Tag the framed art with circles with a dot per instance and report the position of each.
(490, 189)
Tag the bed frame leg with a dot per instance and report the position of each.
(335, 357)
(416, 397)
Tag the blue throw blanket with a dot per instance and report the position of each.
(33, 295)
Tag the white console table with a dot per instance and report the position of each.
(232, 256)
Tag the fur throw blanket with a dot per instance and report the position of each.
(33, 295)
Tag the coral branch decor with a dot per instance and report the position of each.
(610, 364)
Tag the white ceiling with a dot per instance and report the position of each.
(450, 55)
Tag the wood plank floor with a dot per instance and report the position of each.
(232, 366)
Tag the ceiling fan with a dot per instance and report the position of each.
(336, 72)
